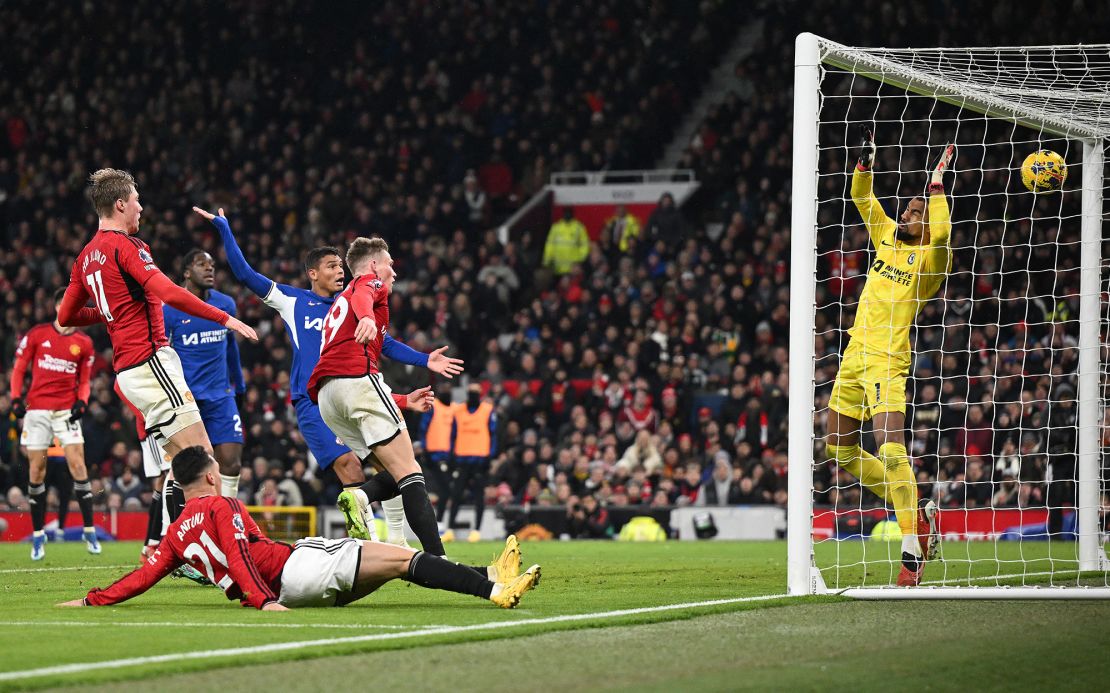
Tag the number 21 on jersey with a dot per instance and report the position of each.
(334, 319)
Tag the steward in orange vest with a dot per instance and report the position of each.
(474, 437)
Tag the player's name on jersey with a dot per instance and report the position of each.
(188, 524)
(95, 256)
(53, 363)
(206, 337)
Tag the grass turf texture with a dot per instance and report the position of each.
(793, 646)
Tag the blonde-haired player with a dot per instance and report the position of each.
(912, 258)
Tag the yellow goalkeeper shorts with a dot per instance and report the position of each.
(869, 384)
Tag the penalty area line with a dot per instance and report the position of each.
(176, 624)
(326, 642)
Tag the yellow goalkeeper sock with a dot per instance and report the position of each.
(902, 490)
(862, 465)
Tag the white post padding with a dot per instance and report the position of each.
(802, 578)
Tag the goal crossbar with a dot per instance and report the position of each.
(906, 70)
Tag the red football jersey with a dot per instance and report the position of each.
(340, 355)
(60, 366)
(217, 536)
(118, 272)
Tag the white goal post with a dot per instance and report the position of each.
(997, 103)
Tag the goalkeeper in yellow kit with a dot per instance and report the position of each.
(912, 258)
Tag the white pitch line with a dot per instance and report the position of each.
(80, 567)
(303, 644)
(175, 624)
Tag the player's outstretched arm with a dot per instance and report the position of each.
(874, 218)
(260, 284)
(398, 351)
(940, 218)
(158, 566)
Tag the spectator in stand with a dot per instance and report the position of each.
(567, 244)
(720, 489)
(665, 224)
(476, 204)
(622, 231)
(586, 519)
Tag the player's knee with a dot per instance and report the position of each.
(843, 454)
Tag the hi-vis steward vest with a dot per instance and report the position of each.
(438, 436)
(472, 433)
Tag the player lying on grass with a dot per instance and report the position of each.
(912, 258)
(216, 535)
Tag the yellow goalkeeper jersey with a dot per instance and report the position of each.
(902, 278)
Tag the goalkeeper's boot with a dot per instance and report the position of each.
(508, 596)
(928, 531)
(38, 546)
(91, 542)
(447, 536)
(506, 567)
(911, 578)
(474, 537)
(190, 573)
(354, 505)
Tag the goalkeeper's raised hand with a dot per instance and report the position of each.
(936, 180)
(866, 148)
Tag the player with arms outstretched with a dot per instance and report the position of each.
(912, 260)
(210, 358)
(217, 536)
(60, 360)
(115, 269)
(303, 311)
(353, 397)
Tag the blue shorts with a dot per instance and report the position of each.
(221, 420)
(324, 445)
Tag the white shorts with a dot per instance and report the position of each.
(156, 387)
(361, 411)
(155, 459)
(42, 426)
(319, 571)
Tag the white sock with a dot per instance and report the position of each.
(229, 486)
(395, 519)
(910, 545)
(167, 497)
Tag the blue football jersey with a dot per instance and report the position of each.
(303, 313)
(209, 353)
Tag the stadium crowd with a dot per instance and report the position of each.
(654, 373)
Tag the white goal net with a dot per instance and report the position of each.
(1007, 428)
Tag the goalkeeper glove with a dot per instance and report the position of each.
(77, 411)
(19, 408)
(936, 181)
(866, 147)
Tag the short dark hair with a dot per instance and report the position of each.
(59, 293)
(189, 464)
(106, 186)
(363, 248)
(191, 257)
(316, 255)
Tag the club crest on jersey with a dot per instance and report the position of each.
(237, 522)
(911, 258)
(145, 256)
(74, 349)
(376, 284)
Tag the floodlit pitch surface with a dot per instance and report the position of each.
(705, 616)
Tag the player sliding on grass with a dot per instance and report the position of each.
(216, 535)
(912, 260)
(303, 311)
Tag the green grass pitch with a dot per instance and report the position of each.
(593, 623)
